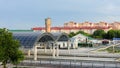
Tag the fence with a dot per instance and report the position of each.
(70, 64)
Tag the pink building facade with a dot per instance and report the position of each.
(87, 27)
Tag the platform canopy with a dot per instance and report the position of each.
(29, 39)
(60, 36)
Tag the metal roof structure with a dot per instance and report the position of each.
(29, 39)
(60, 36)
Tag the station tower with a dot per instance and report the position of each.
(48, 24)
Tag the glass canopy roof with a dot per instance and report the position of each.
(28, 39)
(60, 36)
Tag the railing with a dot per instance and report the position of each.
(70, 64)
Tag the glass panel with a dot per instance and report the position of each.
(27, 39)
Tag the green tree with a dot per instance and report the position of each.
(71, 34)
(9, 48)
(113, 33)
(82, 32)
(99, 34)
(17, 57)
(117, 33)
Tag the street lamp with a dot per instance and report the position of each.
(113, 48)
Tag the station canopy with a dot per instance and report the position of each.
(29, 39)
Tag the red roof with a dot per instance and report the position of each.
(69, 28)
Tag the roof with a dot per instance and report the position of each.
(78, 37)
(59, 36)
(70, 28)
(81, 38)
(21, 30)
(26, 39)
(29, 39)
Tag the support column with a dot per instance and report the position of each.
(68, 50)
(50, 49)
(35, 52)
(68, 46)
(29, 53)
(57, 50)
(53, 51)
(45, 48)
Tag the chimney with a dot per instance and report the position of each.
(48, 25)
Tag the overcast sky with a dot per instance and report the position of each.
(25, 14)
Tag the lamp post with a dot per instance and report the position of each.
(87, 45)
(113, 49)
(114, 45)
(88, 50)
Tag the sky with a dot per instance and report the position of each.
(25, 14)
